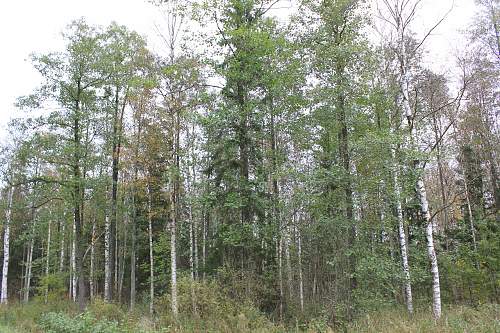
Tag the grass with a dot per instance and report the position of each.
(37, 317)
(8, 329)
(481, 319)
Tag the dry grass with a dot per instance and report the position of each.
(484, 318)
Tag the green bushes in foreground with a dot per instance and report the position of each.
(14, 319)
(216, 310)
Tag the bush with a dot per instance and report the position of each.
(53, 322)
(106, 311)
(212, 310)
(52, 285)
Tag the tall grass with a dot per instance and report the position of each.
(483, 318)
(215, 313)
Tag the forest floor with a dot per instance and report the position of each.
(103, 318)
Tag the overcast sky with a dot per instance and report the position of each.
(35, 26)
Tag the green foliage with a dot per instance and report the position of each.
(52, 285)
(379, 280)
(53, 322)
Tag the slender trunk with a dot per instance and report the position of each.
(61, 251)
(47, 262)
(196, 259)
(151, 258)
(30, 256)
(133, 254)
(134, 218)
(174, 211)
(402, 235)
(107, 259)
(420, 186)
(27, 285)
(436, 291)
(444, 200)
(280, 271)
(204, 243)
(115, 265)
(116, 148)
(78, 241)
(122, 260)
(6, 247)
(191, 258)
(92, 260)
(288, 262)
(301, 280)
(73, 264)
(173, 256)
(191, 245)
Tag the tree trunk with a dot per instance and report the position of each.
(280, 270)
(204, 243)
(6, 247)
(173, 256)
(107, 258)
(436, 291)
(402, 235)
(47, 263)
(73, 264)
(133, 254)
(62, 228)
(116, 148)
(420, 186)
(122, 260)
(301, 280)
(288, 262)
(27, 285)
(92, 260)
(151, 258)
(78, 241)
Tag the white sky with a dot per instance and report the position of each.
(28, 26)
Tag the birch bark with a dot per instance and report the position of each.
(6, 247)
(402, 235)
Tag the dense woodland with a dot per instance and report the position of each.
(307, 167)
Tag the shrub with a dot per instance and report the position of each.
(57, 322)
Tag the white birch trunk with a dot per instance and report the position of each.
(107, 258)
(173, 263)
(6, 247)
(436, 290)
(402, 235)
(280, 271)
(28, 273)
(73, 264)
(27, 284)
(420, 187)
(61, 255)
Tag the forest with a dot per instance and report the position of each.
(308, 174)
